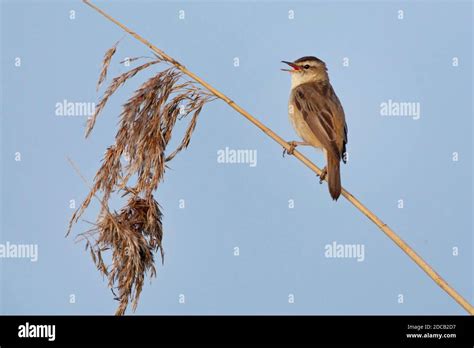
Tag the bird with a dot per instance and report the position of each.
(317, 115)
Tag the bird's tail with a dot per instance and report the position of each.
(334, 176)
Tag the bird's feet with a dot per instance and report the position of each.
(323, 174)
(293, 145)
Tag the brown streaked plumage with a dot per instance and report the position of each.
(317, 116)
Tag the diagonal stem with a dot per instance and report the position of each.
(380, 224)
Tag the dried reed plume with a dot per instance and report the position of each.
(147, 121)
(105, 64)
(154, 103)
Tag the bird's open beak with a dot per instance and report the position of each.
(293, 65)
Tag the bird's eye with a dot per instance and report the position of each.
(306, 66)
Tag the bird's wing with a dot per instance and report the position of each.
(323, 112)
(341, 120)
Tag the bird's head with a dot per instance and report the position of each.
(307, 69)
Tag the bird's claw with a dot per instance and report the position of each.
(292, 148)
(323, 174)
